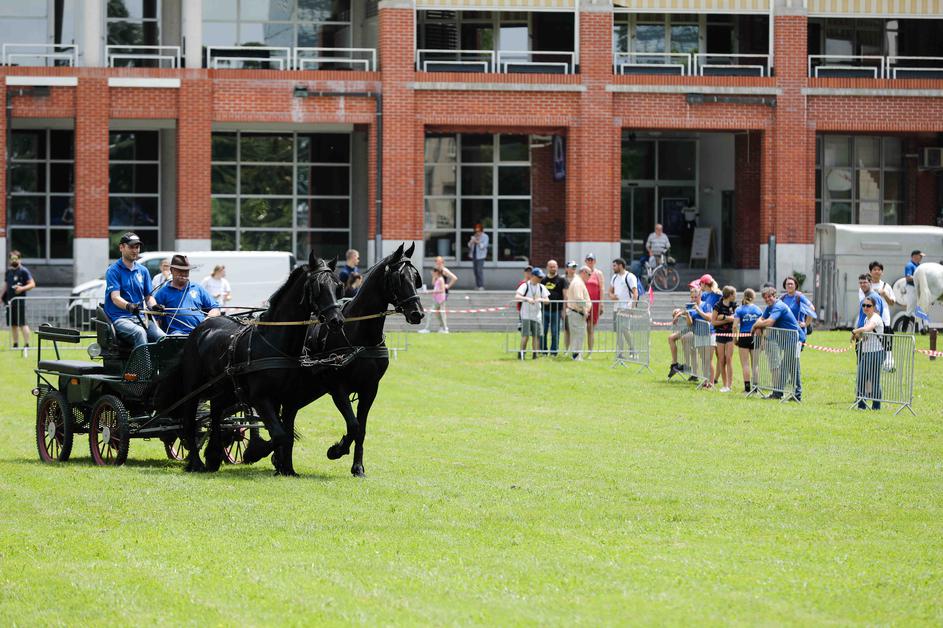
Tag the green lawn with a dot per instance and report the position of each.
(502, 492)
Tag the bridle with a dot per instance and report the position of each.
(399, 304)
(308, 292)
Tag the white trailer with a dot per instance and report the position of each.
(842, 252)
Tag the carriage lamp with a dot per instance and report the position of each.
(94, 350)
(35, 392)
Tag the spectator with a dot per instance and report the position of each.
(870, 354)
(594, 285)
(578, 308)
(657, 245)
(527, 274)
(623, 289)
(185, 305)
(744, 318)
(798, 303)
(692, 314)
(438, 298)
(352, 285)
(571, 272)
(683, 331)
(450, 278)
(704, 337)
(532, 296)
(17, 282)
(916, 256)
(553, 311)
(350, 265)
(864, 287)
(217, 285)
(777, 315)
(162, 277)
(478, 252)
(722, 318)
(886, 294)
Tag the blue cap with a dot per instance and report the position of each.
(537, 272)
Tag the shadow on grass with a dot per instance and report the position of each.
(242, 472)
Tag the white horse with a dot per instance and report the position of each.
(929, 281)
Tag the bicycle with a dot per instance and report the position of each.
(663, 277)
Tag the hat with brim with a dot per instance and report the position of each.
(130, 238)
(180, 262)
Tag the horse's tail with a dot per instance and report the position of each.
(923, 288)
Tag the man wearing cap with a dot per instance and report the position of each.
(578, 308)
(127, 291)
(916, 257)
(553, 311)
(532, 296)
(778, 316)
(185, 304)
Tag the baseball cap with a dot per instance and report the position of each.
(537, 272)
(694, 284)
(917, 252)
(591, 256)
(528, 269)
(129, 238)
(571, 264)
(706, 278)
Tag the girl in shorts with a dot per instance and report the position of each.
(744, 317)
(722, 319)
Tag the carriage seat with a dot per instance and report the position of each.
(71, 367)
(111, 345)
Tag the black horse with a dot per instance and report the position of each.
(265, 354)
(392, 281)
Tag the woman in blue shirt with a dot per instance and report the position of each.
(798, 303)
(744, 317)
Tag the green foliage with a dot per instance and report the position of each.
(502, 492)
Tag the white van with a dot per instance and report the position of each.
(252, 275)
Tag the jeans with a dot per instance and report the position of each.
(869, 372)
(479, 268)
(552, 314)
(130, 330)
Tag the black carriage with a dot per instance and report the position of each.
(116, 397)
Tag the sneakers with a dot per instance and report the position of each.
(520, 355)
(444, 330)
(26, 351)
(423, 331)
(692, 379)
(725, 389)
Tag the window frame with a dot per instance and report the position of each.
(823, 201)
(158, 195)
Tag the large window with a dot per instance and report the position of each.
(280, 23)
(281, 191)
(133, 22)
(478, 179)
(858, 179)
(134, 186)
(41, 212)
(27, 23)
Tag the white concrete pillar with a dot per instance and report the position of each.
(93, 34)
(192, 33)
(605, 252)
(391, 245)
(91, 258)
(190, 245)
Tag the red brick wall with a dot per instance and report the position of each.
(194, 153)
(548, 209)
(91, 158)
(749, 168)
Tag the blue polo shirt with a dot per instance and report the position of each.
(783, 318)
(133, 283)
(187, 307)
(797, 304)
(748, 314)
(878, 306)
(708, 301)
(910, 268)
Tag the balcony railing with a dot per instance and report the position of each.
(248, 57)
(663, 63)
(335, 58)
(897, 67)
(41, 55)
(503, 61)
(846, 66)
(143, 56)
(731, 64)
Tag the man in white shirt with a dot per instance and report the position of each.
(623, 289)
(884, 291)
(532, 294)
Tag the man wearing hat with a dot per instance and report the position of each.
(127, 292)
(185, 304)
(916, 257)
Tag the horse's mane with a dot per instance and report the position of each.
(279, 295)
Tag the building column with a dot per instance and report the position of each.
(593, 147)
(92, 19)
(91, 250)
(191, 34)
(402, 176)
(194, 173)
(788, 209)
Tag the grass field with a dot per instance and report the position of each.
(502, 492)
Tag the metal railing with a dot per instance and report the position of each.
(731, 64)
(249, 57)
(662, 63)
(307, 58)
(142, 56)
(59, 311)
(885, 371)
(633, 329)
(682, 333)
(704, 341)
(898, 67)
(847, 66)
(438, 60)
(58, 54)
(536, 62)
(776, 372)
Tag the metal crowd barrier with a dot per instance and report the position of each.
(396, 341)
(687, 356)
(885, 371)
(633, 328)
(703, 341)
(776, 365)
(604, 333)
(58, 311)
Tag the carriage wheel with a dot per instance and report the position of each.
(54, 428)
(176, 449)
(234, 451)
(108, 434)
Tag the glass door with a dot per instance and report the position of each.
(638, 220)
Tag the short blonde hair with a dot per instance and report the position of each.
(218, 268)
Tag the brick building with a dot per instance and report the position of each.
(562, 126)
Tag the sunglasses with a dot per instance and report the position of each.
(868, 305)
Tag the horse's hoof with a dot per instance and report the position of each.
(257, 450)
(288, 473)
(337, 451)
(357, 471)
